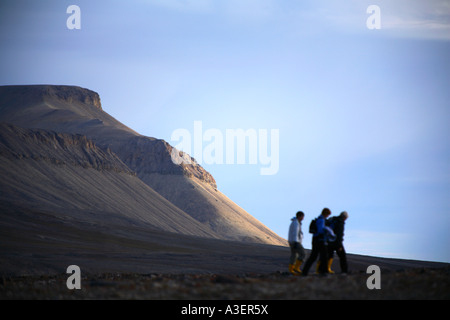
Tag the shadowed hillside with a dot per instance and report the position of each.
(70, 178)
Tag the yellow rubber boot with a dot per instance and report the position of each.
(291, 268)
(297, 265)
(330, 262)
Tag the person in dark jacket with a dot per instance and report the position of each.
(320, 243)
(338, 224)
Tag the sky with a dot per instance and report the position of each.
(361, 113)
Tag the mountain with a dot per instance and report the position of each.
(62, 153)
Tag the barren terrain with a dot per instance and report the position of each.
(419, 283)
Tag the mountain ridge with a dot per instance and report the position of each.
(51, 145)
(78, 111)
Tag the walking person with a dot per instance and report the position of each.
(338, 224)
(295, 242)
(319, 243)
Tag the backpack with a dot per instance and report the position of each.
(331, 222)
(313, 226)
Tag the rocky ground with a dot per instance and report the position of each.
(417, 283)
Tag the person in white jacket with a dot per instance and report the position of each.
(295, 242)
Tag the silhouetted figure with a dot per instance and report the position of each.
(338, 224)
(319, 243)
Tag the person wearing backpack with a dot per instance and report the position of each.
(338, 224)
(322, 234)
(295, 242)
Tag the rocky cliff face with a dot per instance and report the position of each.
(153, 156)
(78, 111)
(57, 148)
(42, 93)
(71, 94)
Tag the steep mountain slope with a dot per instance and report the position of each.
(68, 176)
(189, 187)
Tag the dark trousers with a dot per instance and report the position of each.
(340, 251)
(319, 248)
(297, 252)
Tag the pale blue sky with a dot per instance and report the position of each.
(362, 114)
